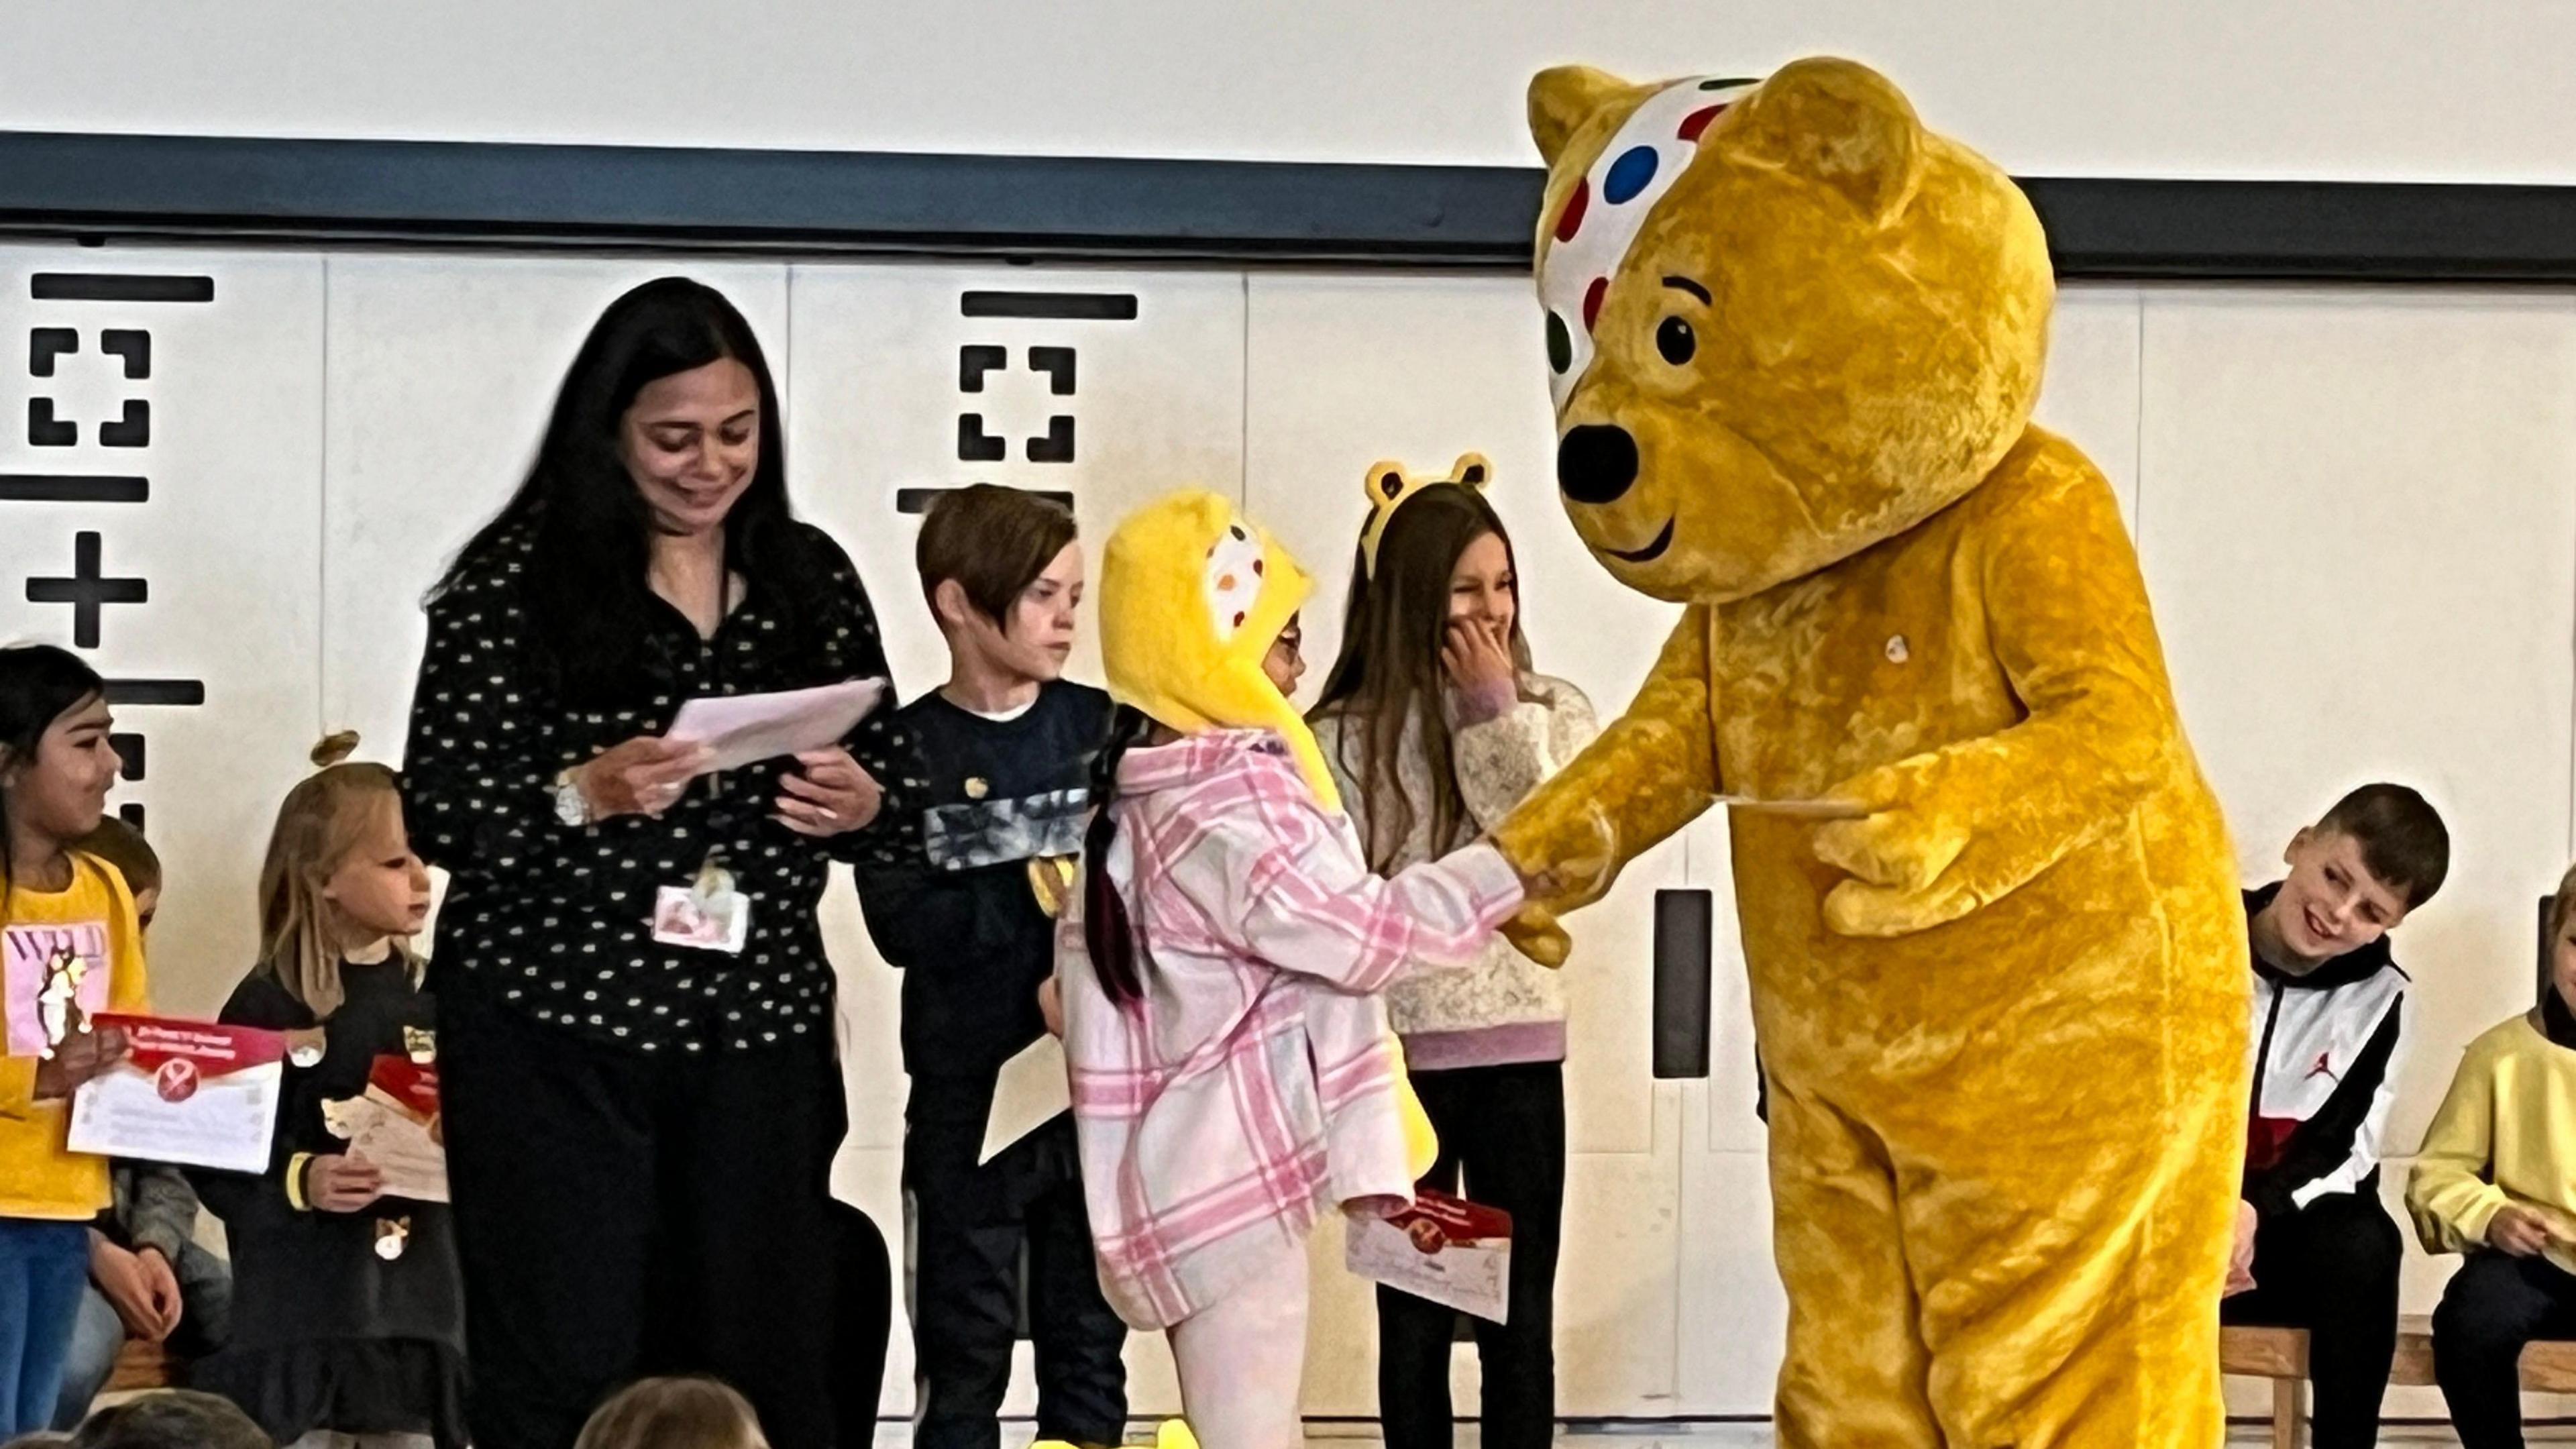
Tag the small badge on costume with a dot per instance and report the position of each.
(393, 1235)
(420, 1044)
(708, 916)
(977, 787)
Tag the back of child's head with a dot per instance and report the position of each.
(39, 684)
(123, 846)
(336, 810)
(174, 1419)
(2402, 838)
(992, 542)
(674, 1413)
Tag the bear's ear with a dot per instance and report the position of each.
(1562, 98)
(1839, 124)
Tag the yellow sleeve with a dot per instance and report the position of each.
(2447, 1192)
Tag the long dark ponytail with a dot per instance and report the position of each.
(1106, 930)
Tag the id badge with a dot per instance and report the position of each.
(708, 916)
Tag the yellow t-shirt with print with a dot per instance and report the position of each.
(64, 955)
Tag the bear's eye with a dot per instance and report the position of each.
(1675, 340)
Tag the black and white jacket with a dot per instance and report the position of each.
(2323, 1049)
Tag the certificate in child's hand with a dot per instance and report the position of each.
(1443, 1249)
(744, 729)
(395, 1126)
(189, 1092)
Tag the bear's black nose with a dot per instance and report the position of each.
(1596, 462)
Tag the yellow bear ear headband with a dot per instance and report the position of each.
(1390, 488)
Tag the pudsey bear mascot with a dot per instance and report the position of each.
(1794, 341)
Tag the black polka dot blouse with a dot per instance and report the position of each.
(555, 920)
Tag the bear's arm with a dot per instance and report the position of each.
(1646, 776)
(2066, 613)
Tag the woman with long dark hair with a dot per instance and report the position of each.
(641, 1118)
(1435, 726)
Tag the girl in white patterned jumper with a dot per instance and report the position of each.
(1435, 727)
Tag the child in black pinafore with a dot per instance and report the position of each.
(347, 1314)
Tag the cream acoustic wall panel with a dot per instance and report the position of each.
(2359, 524)
(1111, 388)
(1346, 371)
(160, 509)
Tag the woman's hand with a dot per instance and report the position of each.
(828, 794)
(338, 1184)
(644, 776)
(78, 1058)
(2240, 1258)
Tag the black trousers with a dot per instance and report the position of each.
(971, 1226)
(1504, 1127)
(2494, 1305)
(2331, 1269)
(619, 1216)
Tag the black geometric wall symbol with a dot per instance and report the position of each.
(44, 430)
(1057, 364)
(131, 343)
(1050, 306)
(131, 815)
(44, 344)
(134, 430)
(1057, 445)
(973, 362)
(87, 591)
(974, 445)
(118, 287)
(129, 753)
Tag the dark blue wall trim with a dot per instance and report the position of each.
(1042, 208)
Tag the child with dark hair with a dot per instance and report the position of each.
(1001, 751)
(70, 948)
(149, 1278)
(1435, 726)
(2314, 1248)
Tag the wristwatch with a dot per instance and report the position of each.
(571, 806)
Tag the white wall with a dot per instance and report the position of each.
(2356, 510)
(2374, 89)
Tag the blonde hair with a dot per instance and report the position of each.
(322, 820)
(674, 1413)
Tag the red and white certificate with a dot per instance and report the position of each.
(394, 1125)
(189, 1092)
(1446, 1250)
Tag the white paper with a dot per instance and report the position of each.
(1034, 1090)
(1470, 1274)
(396, 1142)
(745, 729)
(225, 1122)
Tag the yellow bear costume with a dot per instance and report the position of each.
(1795, 341)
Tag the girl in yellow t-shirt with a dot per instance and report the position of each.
(69, 949)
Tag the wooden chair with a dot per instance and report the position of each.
(2281, 1355)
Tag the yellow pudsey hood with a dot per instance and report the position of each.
(1192, 596)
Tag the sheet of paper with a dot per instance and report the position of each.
(745, 729)
(1442, 1249)
(1034, 1089)
(395, 1126)
(1796, 809)
(191, 1092)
